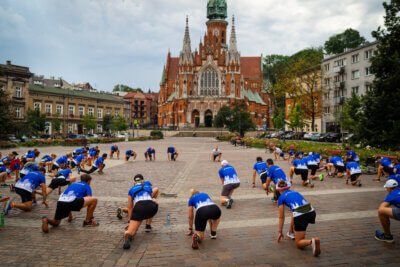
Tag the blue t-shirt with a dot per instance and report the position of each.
(141, 195)
(93, 153)
(260, 167)
(394, 198)
(47, 158)
(3, 169)
(386, 162)
(310, 160)
(300, 164)
(30, 156)
(129, 153)
(79, 159)
(62, 160)
(74, 191)
(64, 173)
(31, 181)
(276, 174)
(92, 149)
(6, 158)
(293, 200)
(151, 150)
(79, 151)
(397, 167)
(291, 153)
(200, 200)
(352, 155)
(98, 162)
(229, 175)
(317, 157)
(114, 148)
(395, 177)
(337, 161)
(29, 169)
(354, 168)
(171, 150)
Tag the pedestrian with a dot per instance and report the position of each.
(353, 172)
(230, 182)
(114, 149)
(259, 168)
(129, 154)
(78, 162)
(274, 174)
(98, 165)
(385, 168)
(350, 154)
(300, 168)
(172, 153)
(216, 154)
(338, 164)
(150, 154)
(62, 178)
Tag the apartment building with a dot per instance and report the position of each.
(143, 107)
(343, 74)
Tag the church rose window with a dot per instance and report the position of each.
(209, 82)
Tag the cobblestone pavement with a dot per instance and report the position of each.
(346, 217)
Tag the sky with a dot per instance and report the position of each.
(109, 42)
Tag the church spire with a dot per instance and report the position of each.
(186, 53)
(232, 41)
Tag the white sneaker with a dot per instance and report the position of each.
(213, 236)
(290, 235)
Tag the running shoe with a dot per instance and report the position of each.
(45, 225)
(229, 203)
(4, 185)
(92, 222)
(12, 187)
(213, 236)
(271, 189)
(34, 203)
(195, 241)
(380, 236)
(9, 207)
(274, 199)
(119, 213)
(321, 177)
(377, 180)
(148, 228)
(290, 235)
(127, 243)
(316, 246)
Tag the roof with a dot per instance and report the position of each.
(329, 57)
(253, 97)
(173, 68)
(251, 67)
(163, 76)
(61, 91)
(172, 96)
(130, 95)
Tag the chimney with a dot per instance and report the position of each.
(8, 62)
(52, 77)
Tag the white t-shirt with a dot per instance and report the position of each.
(216, 151)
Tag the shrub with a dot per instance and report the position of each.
(7, 144)
(157, 133)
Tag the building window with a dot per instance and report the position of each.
(2, 87)
(47, 129)
(355, 74)
(59, 109)
(368, 87)
(368, 71)
(48, 108)
(109, 111)
(99, 128)
(81, 111)
(91, 111)
(116, 113)
(209, 83)
(69, 128)
(340, 63)
(100, 113)
(355, 90)
(326, 67)
(75, 127)
(368, 54)
(289, 108)
(18, 92)
(71, 110)
(355, 58)
(18, 112)
(37, 106)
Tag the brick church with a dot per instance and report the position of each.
(195, 85)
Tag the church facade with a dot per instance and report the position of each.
(195, 85)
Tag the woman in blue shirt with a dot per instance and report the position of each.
(206, 211)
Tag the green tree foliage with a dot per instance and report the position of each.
(89, 122)
(119, 124)
(107, 122)
(6, 116)
(279, 120)
(222, 119)
(351, 116)
(56, 123)
(237, 119)
(380, 126)
(296, 118)
(35, 122)
(126, 88)
(348, 39)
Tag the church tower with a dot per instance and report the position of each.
(216, 25)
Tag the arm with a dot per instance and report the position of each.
(44, 194)
(254, 178)
(130, 206)
(191, 217)
(222, 181)
(169, 158)
(268, 182)
(347, 176)
(101, 166)
(281, 221)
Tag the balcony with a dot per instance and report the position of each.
(339, 100)
(339, 69)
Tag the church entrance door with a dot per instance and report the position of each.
(196, 118)
(208, 117)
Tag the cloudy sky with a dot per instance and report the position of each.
(106, 42)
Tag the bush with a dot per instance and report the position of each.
(7, 144)
(156, 133)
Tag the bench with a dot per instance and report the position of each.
(393, 158)
(289, 148)
(331, 152)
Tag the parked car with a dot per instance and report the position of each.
(121, 135)
(348, 137)
(93, 136)
(333, 137)
(289, 135)
(14, 139)
(307, 136)
(72, 136)
(315, 136)
(45, 136)
(322, 137)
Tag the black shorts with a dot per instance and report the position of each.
(226, 189)
(353, 177)
(173, 155)
(302, 172)
(25, 195)
(301, 222)
(56, 182)
(204, 214)
(64, 208)
(263, 177)
(147, 154)
(216, 156)
(55, 167)
(396, 213)
(128, 157)
(143, 210)
(340, 169)
(388, 169)
(313, 169)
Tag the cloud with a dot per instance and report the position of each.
(127, 41)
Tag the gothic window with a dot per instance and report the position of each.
(209, 82)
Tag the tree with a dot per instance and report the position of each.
(296, 118)
(348, 39)
(380, 124)
(279, 120)
(35, 122)
(107, 122)
(126, 88)
(56, 123)
(89, 122)
(237, 119)
(119, 124)
(222, 119)
(6, 116)
(352, 114)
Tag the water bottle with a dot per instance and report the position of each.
(245, 182)
(2, 220)
(168, 221)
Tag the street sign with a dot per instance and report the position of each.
(136, 122)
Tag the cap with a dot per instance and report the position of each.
(310, 154)
(15, 153)
(224, 162)
(138, 178)
(391, 184)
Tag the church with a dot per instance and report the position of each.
(195, 85)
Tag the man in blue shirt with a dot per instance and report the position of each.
(114, 149)
(172, 153)
(99, 164)
(350, 154)
(386, 213)
(274, 174)
(79, 161)
(74, 198)
(354, 172)
(300, 168)
(4, 171)
(26, 187)
(150, 154)
(385, 168)
(396, 169)
(259, 168)
(62, 178)
(230, 181)
(130, 153)
(338, 164)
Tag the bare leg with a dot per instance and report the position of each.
(91, 203)
(132, 228)
(384, 216)
(26, 206)
(301, 242)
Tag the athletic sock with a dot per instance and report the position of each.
(213, 233)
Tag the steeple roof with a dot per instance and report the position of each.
(186, 53)
(217, 10)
